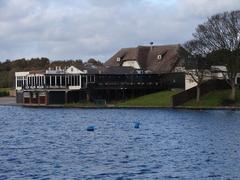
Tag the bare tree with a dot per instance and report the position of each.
(197, 68)
(219, 32)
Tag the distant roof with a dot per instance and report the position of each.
(37, 72)
(157, 59)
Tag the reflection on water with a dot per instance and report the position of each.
(55, 144)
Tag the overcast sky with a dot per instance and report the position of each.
(81, 29)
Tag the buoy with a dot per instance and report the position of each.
(136, 125)
(90, 128)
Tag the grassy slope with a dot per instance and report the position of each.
(213, 99)
(159, 99)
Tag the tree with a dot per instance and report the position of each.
(231, 60)
(197, 67)
(95, 62)
(220, 32)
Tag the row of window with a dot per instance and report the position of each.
(50, 80)
(63, 80)
(35, 81)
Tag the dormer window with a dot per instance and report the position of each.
(118, 59)
(159, 57)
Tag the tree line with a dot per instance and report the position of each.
(9, 67)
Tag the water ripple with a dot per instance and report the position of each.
(170, 144)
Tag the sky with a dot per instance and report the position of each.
(83, 29)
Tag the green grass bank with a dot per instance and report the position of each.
(159, 99)
(217, 98)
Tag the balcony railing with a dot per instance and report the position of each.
(26, 87)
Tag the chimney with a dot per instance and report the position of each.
(151, 45)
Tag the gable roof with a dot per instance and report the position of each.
(73, 70)
(147, 57)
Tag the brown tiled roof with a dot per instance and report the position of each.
(147, 57)
(124, 54)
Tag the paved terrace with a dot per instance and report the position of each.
(8, 100)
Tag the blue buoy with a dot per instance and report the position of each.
(90, 128)
(136, 125)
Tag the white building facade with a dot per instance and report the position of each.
(72, 78)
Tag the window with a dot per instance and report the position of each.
(118, 59)
(77, 81)
(238, 80)
(52, 80)
(88, 79)
(83, 80)
(29, 81)
(37, 80)
(159, 57)
(33, 80)
(67, 81)
(20, 81)
(72, 81)
(47, 80)
(92, 79)
(63, 81)
(58, 81)
(42, 81)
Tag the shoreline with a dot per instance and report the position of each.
(10, 101)
(132, 107)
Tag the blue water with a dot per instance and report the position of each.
(55, 144)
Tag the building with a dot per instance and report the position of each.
(213, 73)
(50, 86)
(129, 73)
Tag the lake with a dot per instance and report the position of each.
(55, 144)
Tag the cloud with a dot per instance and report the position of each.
(207, 8)
(109, 3)
(64, 29)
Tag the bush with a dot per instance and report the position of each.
(228, 102)
(4, 93)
